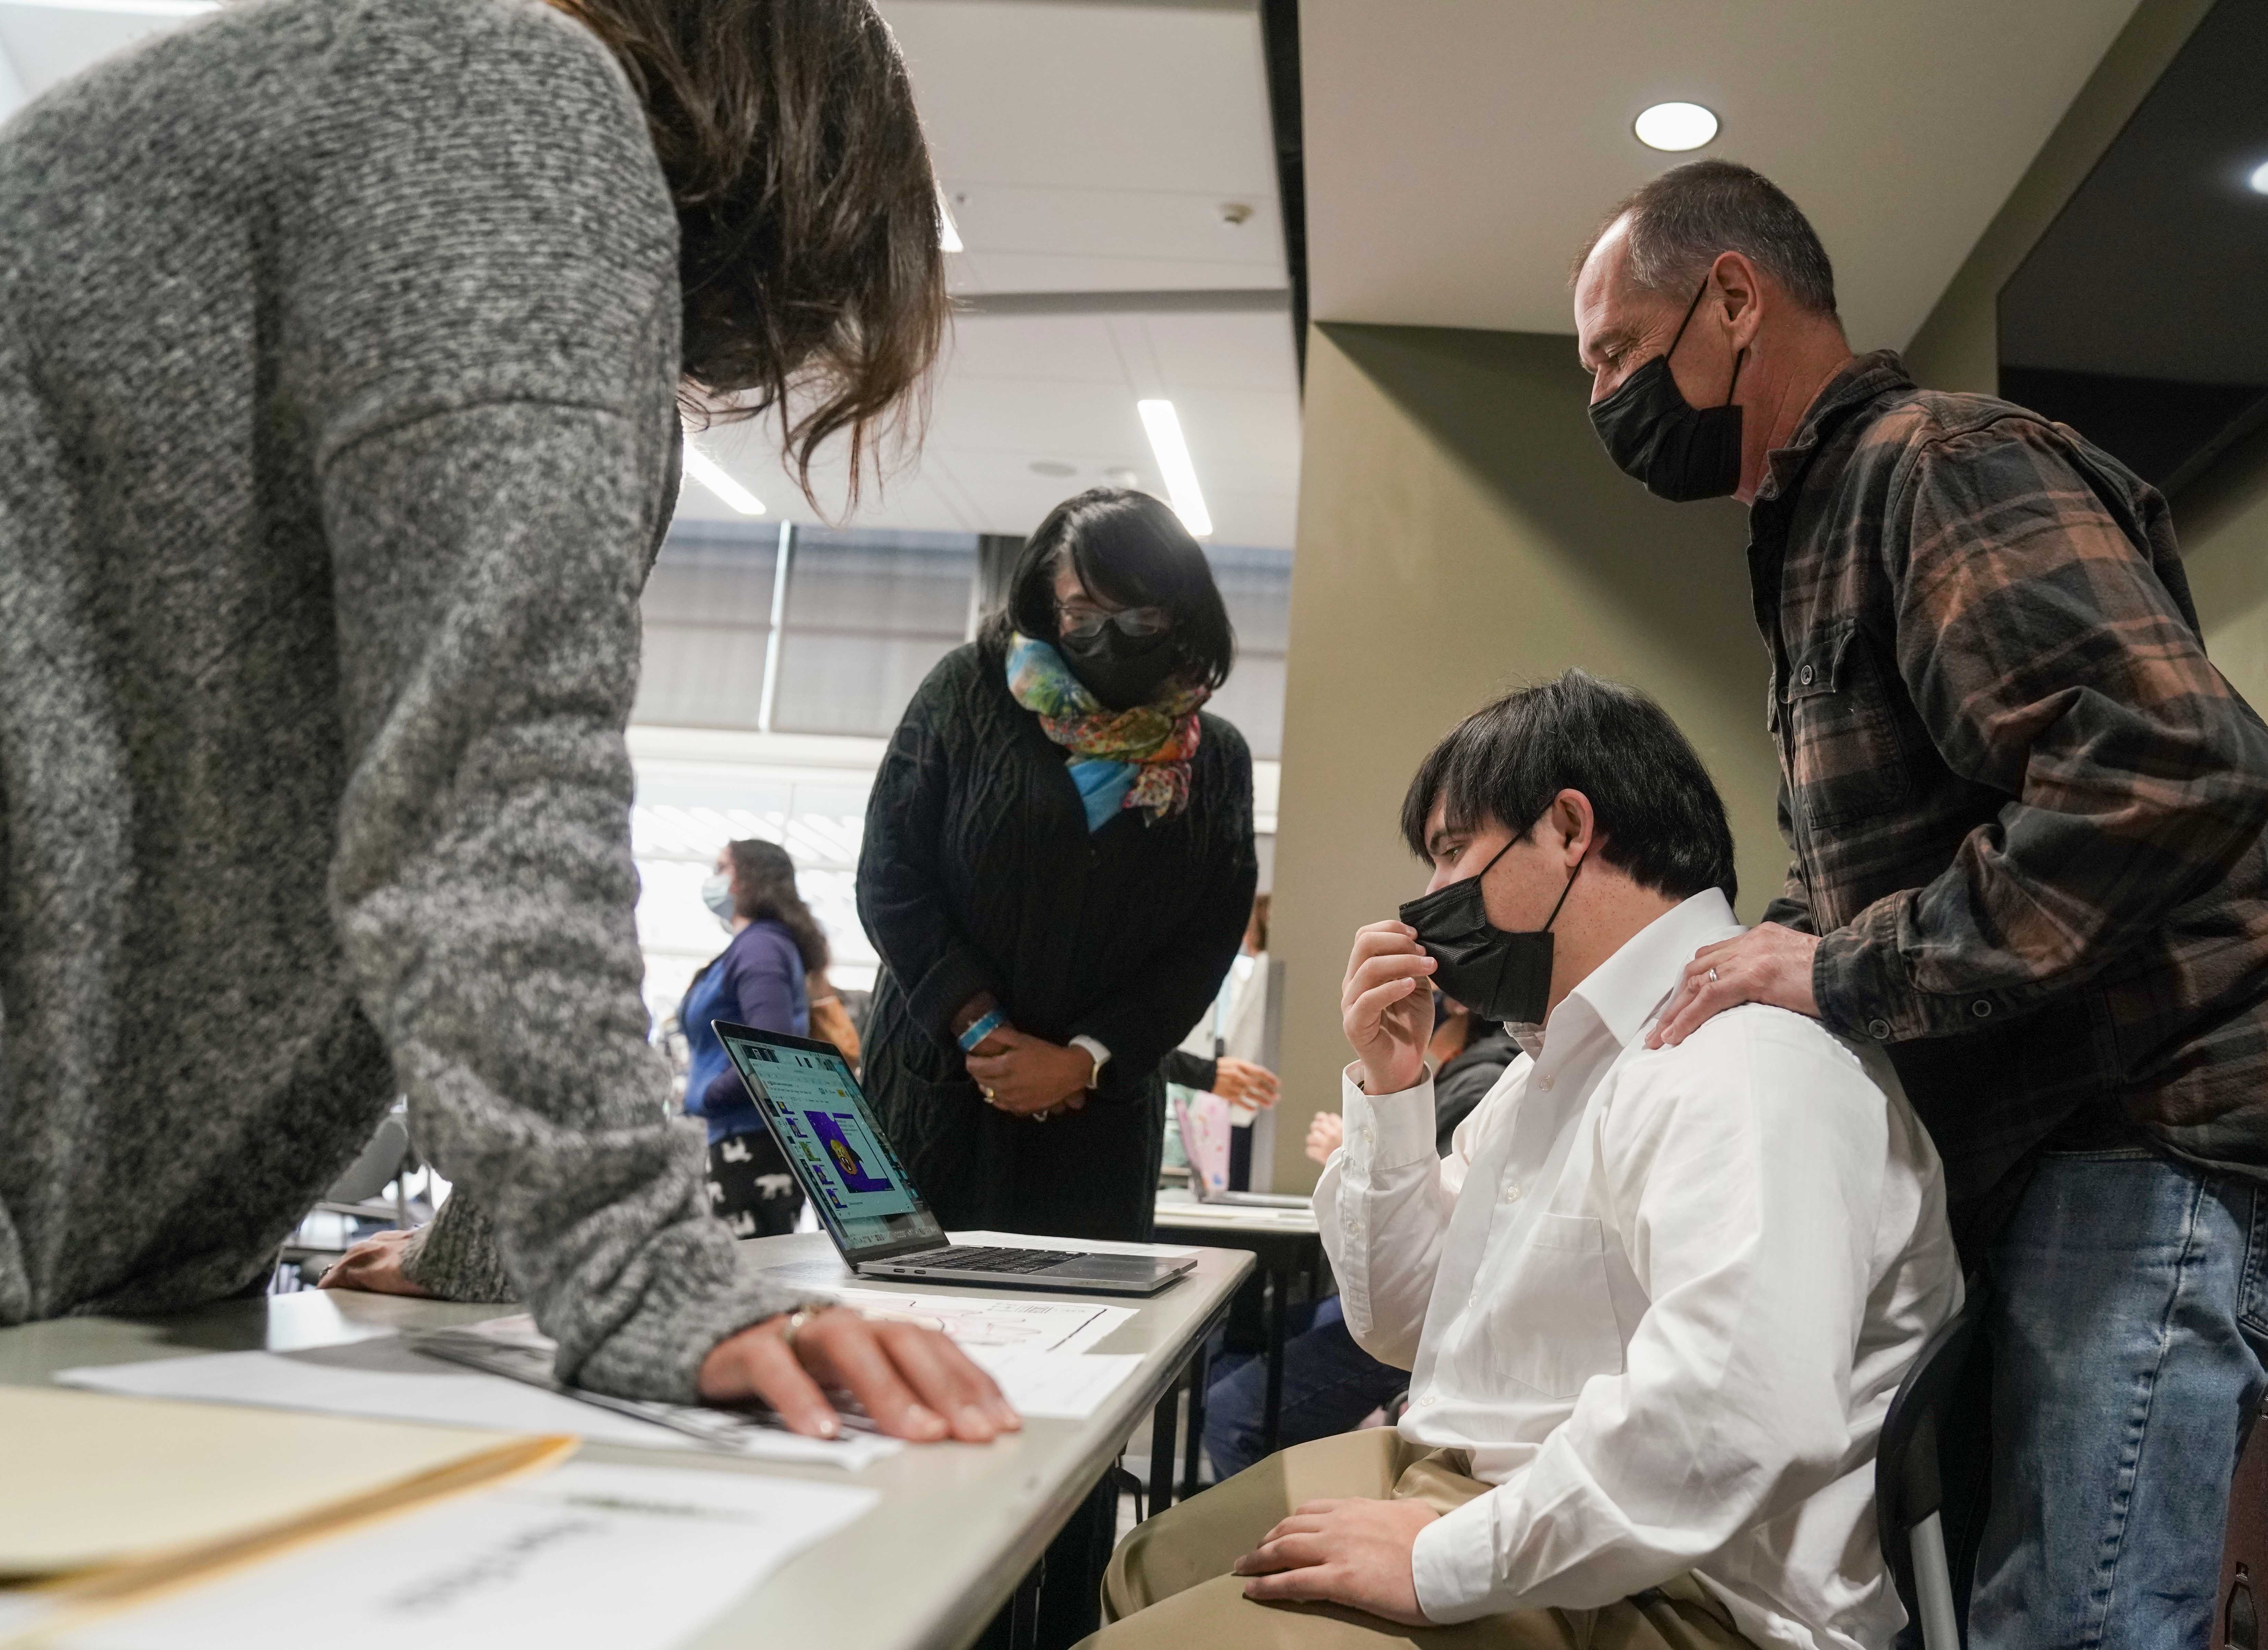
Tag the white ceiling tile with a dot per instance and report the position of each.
(1091, 96)
(1458, 152)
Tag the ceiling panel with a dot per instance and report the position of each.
(1459, 151)
(1060, 391)
(1089, 148)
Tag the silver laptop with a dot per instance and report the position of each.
(807, 1097)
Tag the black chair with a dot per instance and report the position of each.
(1932, 1473)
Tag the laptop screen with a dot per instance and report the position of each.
(812, 1106)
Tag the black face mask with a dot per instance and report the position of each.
(1681, 452)
(1121, 670)
(1499, 974)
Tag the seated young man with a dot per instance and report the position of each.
(1654, 1302)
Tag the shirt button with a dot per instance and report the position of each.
(1805, 675)
(1365, 1134)
(1546, 1080)
(1512, 1194)
(1879, 1030)
(1980, 1008)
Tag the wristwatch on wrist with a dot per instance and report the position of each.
(1096, 1052)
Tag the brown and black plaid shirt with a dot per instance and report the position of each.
(2026, 812)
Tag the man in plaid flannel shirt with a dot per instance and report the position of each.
(2026, 815)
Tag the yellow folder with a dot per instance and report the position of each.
(105, 1500)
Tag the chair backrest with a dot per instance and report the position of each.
(2244, 1561)
(1935, 1461)
(377, 1163)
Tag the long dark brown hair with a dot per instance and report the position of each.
(806, 209)
(763, 889)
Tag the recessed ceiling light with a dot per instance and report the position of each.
(2259, 178)
(1051, 467)
(948, 233)
(1676, 127)
(709, 473)
(1165, 429)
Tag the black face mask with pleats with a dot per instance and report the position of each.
(1681, 452)
(1121, 670)
(1498, 973)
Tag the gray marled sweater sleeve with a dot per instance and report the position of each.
(486, 313)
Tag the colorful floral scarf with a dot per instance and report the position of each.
(1156, 740)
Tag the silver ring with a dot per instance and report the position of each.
(1712, 976)
(796, 1320)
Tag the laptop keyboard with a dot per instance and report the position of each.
(992, 1260)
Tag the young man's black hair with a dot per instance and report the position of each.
(1658, 812)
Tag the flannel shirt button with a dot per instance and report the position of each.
(1980, 1008)
(1879, 1030)
(1805, 675)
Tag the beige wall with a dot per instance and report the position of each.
(1461, 532)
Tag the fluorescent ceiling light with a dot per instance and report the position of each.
(709, 473)
(948, 233)
(135, 8)
(2259, 178)
(1180, 475)
(1676, 127)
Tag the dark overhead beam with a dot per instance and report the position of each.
(1279, 46)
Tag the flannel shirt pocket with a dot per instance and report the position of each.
(1845, 758)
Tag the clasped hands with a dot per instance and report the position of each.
(1021, 1074)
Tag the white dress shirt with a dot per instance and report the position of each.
(1664, 1297)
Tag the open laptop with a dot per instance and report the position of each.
(1203, 1129)
(807, 1097)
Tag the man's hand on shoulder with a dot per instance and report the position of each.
(1386, 1006)
(1352, 1552)
(1768, 964)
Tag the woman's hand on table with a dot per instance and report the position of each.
(1244, 1082)
(1031, 1077)
(1325, 1135)
(374, 1265)
(912, 1381)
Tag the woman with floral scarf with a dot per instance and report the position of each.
(1058, 867)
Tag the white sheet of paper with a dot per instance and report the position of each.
(383, 1377)
(1055, 1386)
(587, 1558)
(1042, 1325)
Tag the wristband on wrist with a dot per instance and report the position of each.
(992, 1020)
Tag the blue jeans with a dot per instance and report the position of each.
(1329, 1384)
(2128, 1338)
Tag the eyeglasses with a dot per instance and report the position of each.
(1086, 624)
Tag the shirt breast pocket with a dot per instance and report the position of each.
(1844, 756)
(1553, 1326)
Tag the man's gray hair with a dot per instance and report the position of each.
(1681, 220)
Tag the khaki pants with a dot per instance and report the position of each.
(1169, 1585)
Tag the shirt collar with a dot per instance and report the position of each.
(1866, 378)
(1625, 991)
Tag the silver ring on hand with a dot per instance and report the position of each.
(796, 1320)
(1712, 976)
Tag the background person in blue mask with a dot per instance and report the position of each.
(762, 979)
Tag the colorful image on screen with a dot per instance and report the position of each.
(820, 1120)
(849, 1164)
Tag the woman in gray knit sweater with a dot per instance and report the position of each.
(341, 345)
